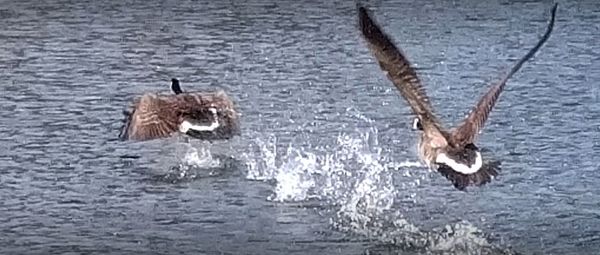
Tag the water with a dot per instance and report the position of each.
(326, 163)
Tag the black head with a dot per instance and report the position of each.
(471, 146)
(175, 86)
(417, 124)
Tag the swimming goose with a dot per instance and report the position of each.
(452, 153)
(201, 115)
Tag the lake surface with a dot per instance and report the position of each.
(326, 163)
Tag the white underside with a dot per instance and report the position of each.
(186, 126)
(458, 167)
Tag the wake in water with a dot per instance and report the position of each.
(354, 177)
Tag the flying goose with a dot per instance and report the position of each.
(452, 153)
(201, 115)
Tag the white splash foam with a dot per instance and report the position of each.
(373, 188)
(192, 163)
(405, 164)
(350, 172)
(260, 158)
(461, 237)
(201, 158)
(355, 113)
(295, 180)
(352, 176)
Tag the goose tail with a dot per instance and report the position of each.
(461, 181)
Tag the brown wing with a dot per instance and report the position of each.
(152, 117)
(468, 131)
(400, 72)
(159, 116)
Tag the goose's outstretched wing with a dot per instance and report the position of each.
(151, 117)
(399, 71)
(468, 131)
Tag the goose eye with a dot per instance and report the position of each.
(417, 124)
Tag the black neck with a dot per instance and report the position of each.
(175, 86)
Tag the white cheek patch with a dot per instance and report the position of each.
(186, 126)
(461, 168)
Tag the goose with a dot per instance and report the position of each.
(452, 153)
(201, 115)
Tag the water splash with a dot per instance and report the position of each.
(353, 176)
(261, 158)
(197, 162)
(199, 158)
(306, 173)
(392, 228)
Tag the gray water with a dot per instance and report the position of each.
(326, 162)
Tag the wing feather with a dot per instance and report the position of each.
(156, 116)
(152, 117)
(468, 131)
(401, 73)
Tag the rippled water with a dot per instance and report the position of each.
(326, 163)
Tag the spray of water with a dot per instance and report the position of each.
(355, 178)
(197, 162)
